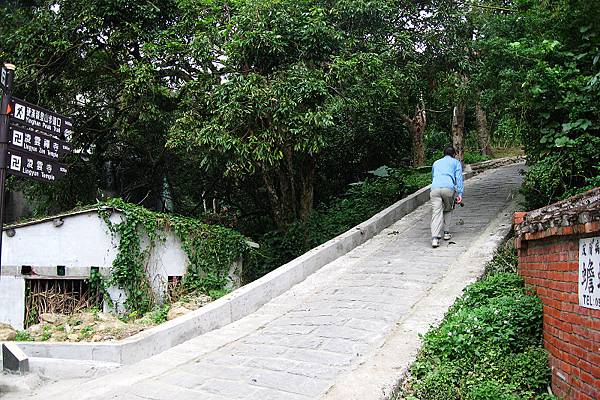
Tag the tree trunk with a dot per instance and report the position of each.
(290, 189)
(483, 132)
(458, 130)
(287, 183)
(280, 200)
(277, 212)
(306, 190)
(416, 127)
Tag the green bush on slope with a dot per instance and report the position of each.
(489, 345)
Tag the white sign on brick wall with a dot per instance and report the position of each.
(589, 273)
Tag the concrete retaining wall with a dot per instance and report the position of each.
(235, 305)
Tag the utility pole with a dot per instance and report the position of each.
(7, 81)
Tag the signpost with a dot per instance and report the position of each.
(31, 142)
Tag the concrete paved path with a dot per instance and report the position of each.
(322, 337)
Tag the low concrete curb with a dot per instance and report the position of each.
(235, 305)
(378, 375)
(495, 163)
(14, 359)
(60, 369)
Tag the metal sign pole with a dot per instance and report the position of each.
(4, 116)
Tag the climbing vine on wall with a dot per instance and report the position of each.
(211, 250)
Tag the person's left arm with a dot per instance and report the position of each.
(458, 176)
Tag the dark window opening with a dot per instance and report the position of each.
(58, 296)
(174, 287)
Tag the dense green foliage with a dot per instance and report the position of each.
(539, 63)
(300, 82)
(489, 345)
(211, 250)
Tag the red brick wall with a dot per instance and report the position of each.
(549, 264)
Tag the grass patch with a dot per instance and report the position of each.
(489, 345)
(86, 332)
(501, 152)
(470, 157)
(159, 314)
(23, 336)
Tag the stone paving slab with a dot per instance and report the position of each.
(376, 375)
(298, 345)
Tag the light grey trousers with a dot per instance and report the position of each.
(441, 210)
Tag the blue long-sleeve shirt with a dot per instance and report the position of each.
(447, 173)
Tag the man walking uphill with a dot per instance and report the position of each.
(447, 183)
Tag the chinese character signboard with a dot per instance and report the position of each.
(30, 140)
(589, 273)
(39, 118)
(34, 146)
(28, 165)
(38, 143)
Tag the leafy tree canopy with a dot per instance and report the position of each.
(273, 105)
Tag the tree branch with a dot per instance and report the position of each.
(492, 7)
(406, 118)
(175, 72)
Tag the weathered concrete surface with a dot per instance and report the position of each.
(345, 320)
(377, 375)
(231, 307)
(18, 386)
(55, 368)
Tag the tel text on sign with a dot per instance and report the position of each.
(589, 273)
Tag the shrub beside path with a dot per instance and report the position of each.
(348, 331)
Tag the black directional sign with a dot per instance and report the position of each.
(37, 143)
(3, 78)
(39, 118)
(28, 165)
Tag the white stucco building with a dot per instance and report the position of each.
(67, 247)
